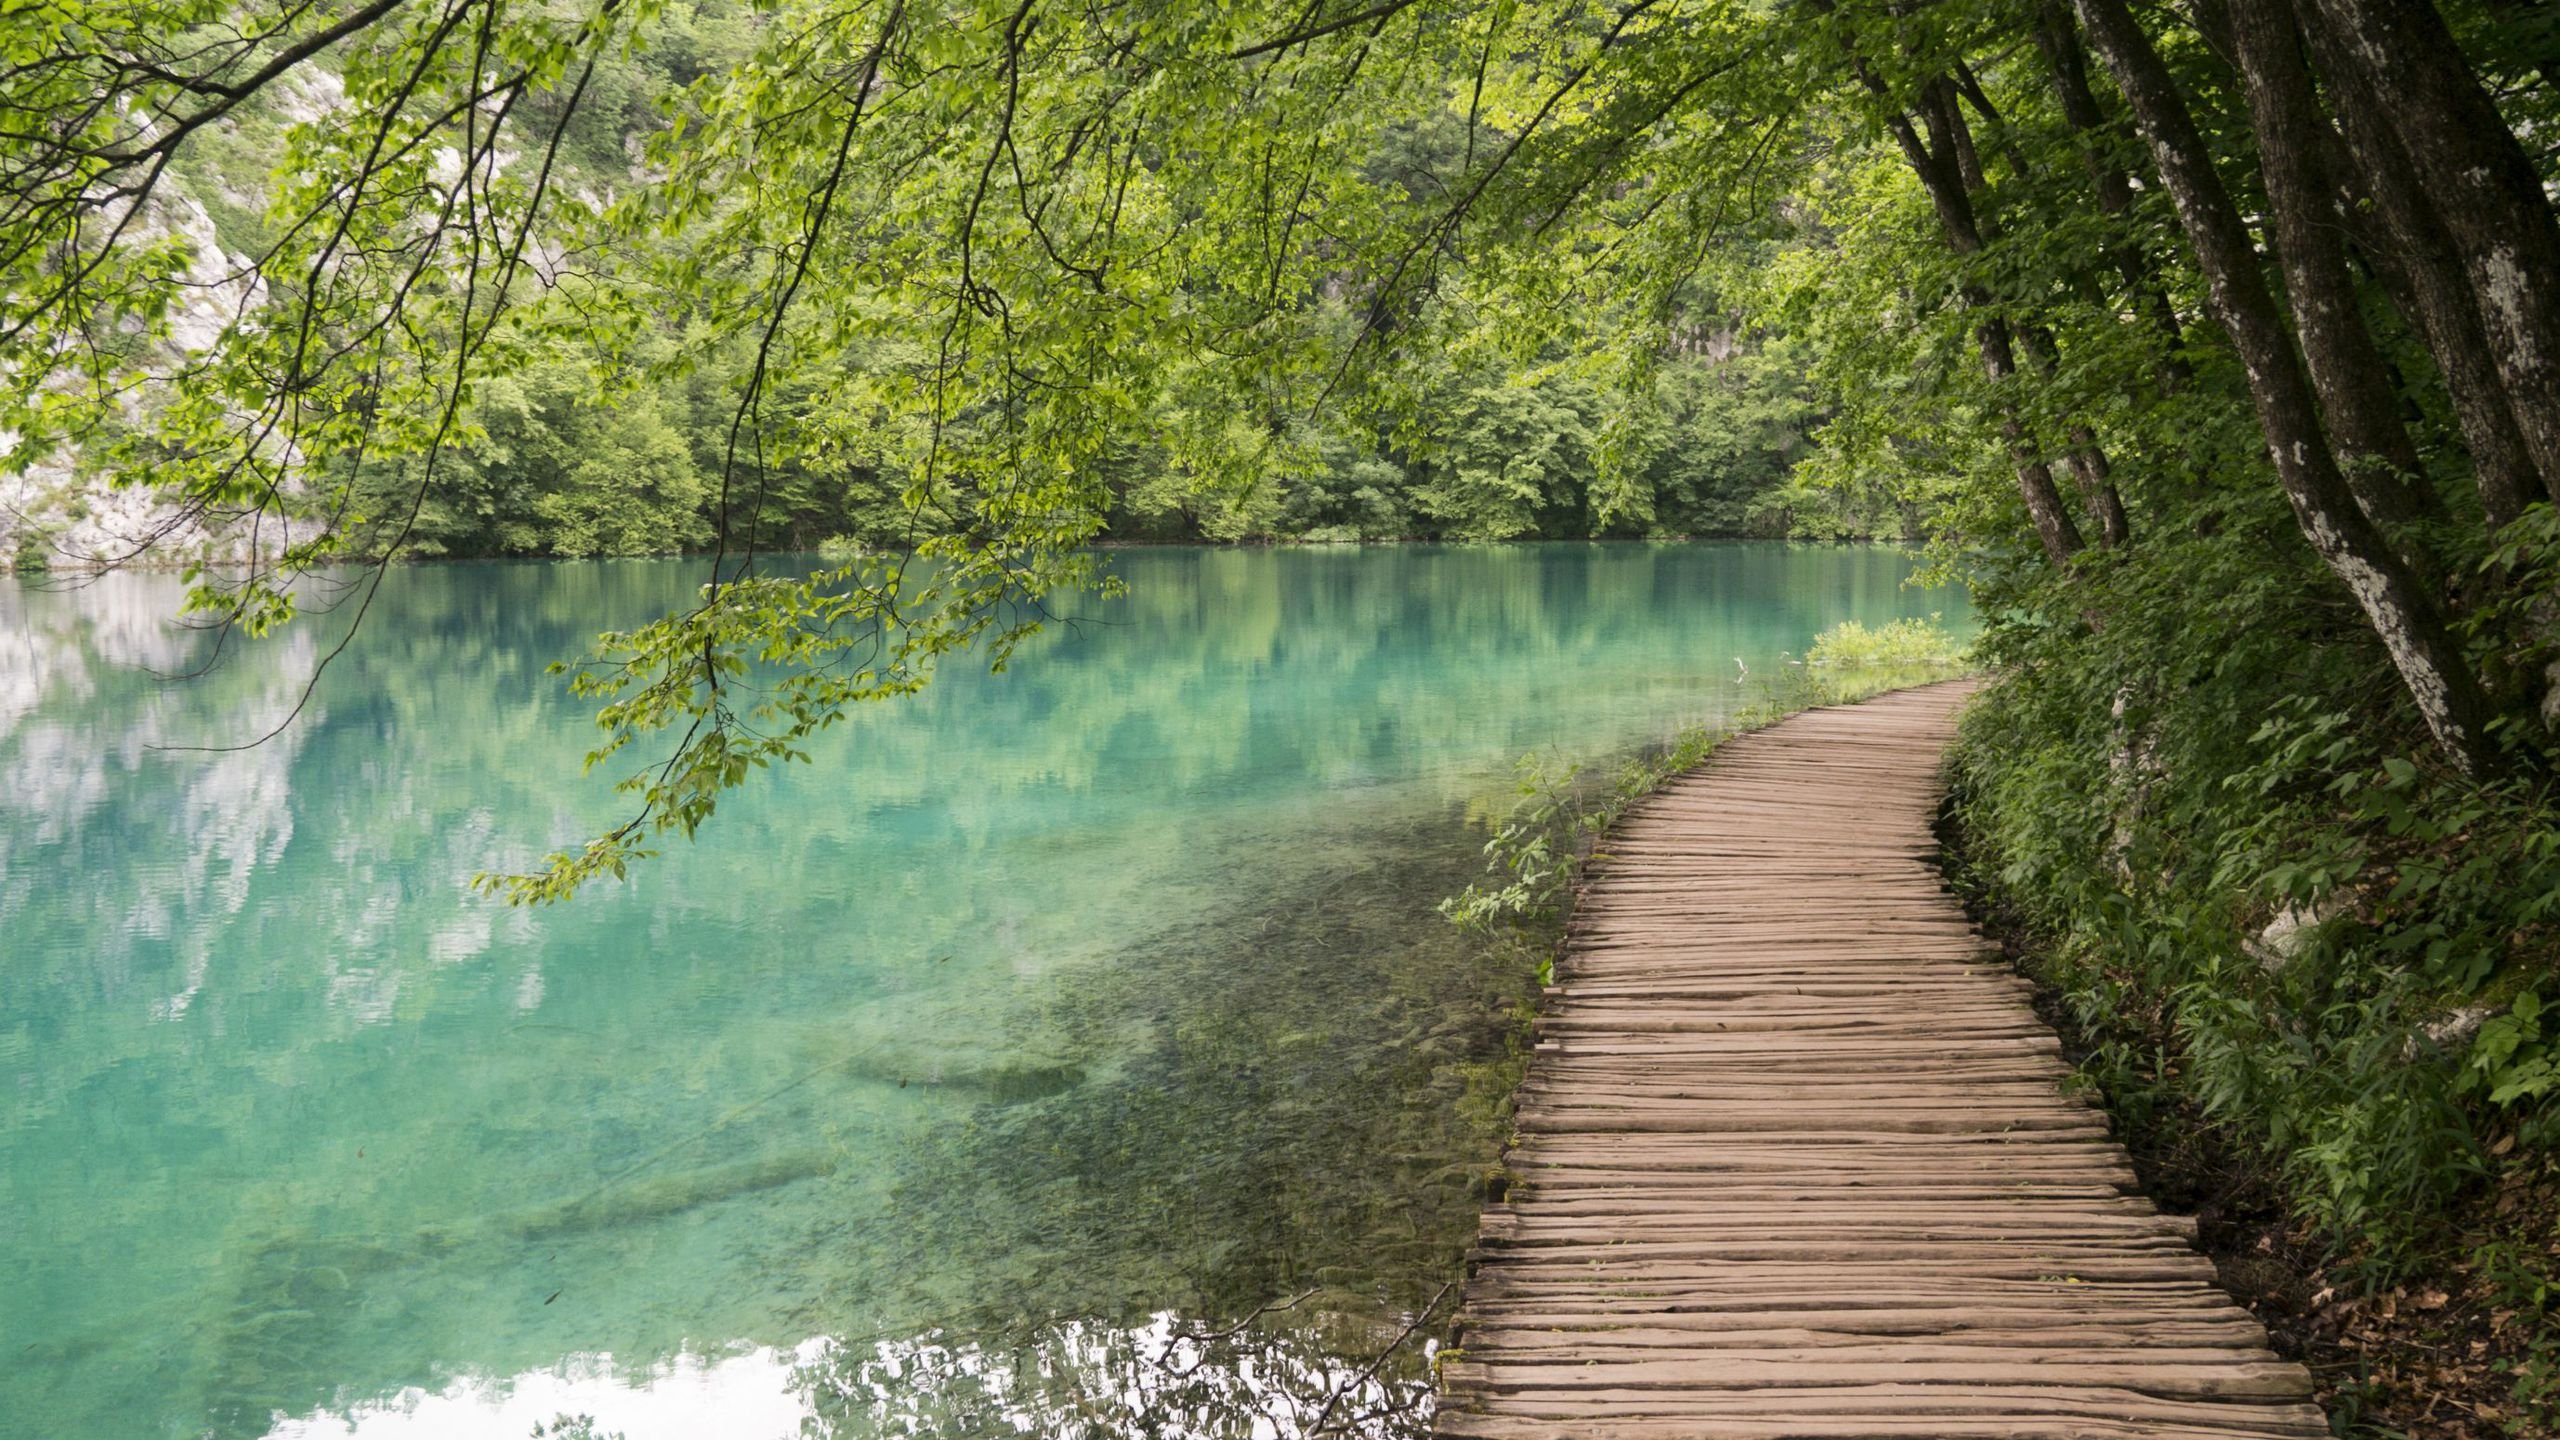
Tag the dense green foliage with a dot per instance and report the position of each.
(2265, 901)
(2262, 853)
(1852, 649)
(559, 460)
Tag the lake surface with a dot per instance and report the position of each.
(1068, 1052)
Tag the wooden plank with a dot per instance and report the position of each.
(1796, 1161)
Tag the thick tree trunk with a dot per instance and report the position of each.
(2485, 190)
(2057, 35)
(1951, 136)
(2358, 404)
(2430, 288)
(2431, 665)
(1951, 160)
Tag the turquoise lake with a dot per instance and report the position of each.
(1074, 1051)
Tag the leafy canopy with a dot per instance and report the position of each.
(988, 244)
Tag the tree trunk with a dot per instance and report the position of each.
(1941, 174)
(2085, 458)
(2088, 464)
(2430, 288)
(2485, 190)
(1969, 85)
(1951, 135)
(1951, 142)
(2431, 665)
(2360, 408)
(2055, 528)
(2057, 35)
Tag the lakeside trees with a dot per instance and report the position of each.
(2219, 349)
(1047, 275)
(655, 387)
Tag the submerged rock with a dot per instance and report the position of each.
(653, 1199)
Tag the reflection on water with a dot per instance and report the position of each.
(686, 1397)
(1048, 1017)
(1078, 1380)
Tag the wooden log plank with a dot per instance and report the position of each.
(1796, 1159)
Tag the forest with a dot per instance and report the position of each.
(2214, 347)
(582, 449)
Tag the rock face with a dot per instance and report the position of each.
(56, 514)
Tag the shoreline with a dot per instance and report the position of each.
(152, 564)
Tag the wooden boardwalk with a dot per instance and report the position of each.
(1795, 1159)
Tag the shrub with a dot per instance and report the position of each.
(1906, 643)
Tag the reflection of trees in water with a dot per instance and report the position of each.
(1337, 665)
(1160, 1380)
(1317, 667)
(100, 700)
(80, 704)
(51, 633)
(1258, 675)
(94, 792)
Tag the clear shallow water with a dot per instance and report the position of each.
(966, 1083)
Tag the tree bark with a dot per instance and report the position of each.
(2088, 465)
(2430, 287)
(2084, 457)
(2484, 188)
(1969, 85)
(2358, 404)
(1951, 135)
(2432, 666)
